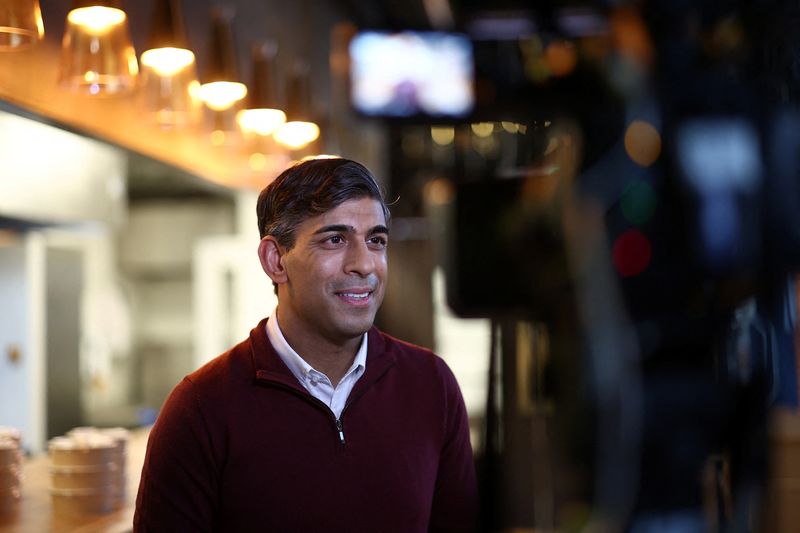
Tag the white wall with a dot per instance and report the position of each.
(231, 294)
(54, 175)
(231, 291)
(156, 252)
(22, 330)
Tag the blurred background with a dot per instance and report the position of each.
(596, 224)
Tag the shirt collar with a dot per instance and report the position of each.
(296, 364)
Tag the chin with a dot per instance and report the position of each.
(352, 330)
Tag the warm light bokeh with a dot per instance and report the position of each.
(260, 121)
(222, 95)
(168, 61)
(297, 134)
(96, 19)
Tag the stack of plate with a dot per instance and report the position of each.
(10, 469)
(83, 473)
(120, 436)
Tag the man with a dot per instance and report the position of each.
(319, 421)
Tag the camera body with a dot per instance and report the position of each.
(660, 122)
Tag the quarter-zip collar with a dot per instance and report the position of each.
(268, 366)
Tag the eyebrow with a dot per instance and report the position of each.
(344, 228)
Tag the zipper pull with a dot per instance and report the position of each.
(340, 429)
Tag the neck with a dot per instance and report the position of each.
(332, 358)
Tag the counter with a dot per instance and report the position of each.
(34, 511)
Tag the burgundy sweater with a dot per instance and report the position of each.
(240, 445)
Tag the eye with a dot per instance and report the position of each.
(335, 239)
(377, 242)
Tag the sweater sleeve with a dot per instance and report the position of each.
(455, 501)
(178, 487)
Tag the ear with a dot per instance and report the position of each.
(270, 254)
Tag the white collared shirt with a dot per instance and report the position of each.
(315, 382)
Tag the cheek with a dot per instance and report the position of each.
(316, 275)
(327, 266)
(307, 268)
(382, 264)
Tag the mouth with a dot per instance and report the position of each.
(355, 297)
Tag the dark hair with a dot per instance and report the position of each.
(310, 188)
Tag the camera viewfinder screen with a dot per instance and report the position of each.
(410, 74)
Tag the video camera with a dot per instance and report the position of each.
(718, 204)
(660, 164)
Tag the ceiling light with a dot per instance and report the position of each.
(170, 84)
(262, 115)
(20, 24)
(221, 88)
(97, 56)
(299, 130)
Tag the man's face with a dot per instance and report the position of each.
(335, 273)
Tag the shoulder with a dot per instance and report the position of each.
(423, 378)
(234, 364)
(202, 401)
(217, 382)
(411, 357)
(384, 341)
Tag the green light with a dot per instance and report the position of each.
(638, 202)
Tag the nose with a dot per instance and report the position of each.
(360, 259)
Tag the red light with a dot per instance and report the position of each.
(631, 253)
